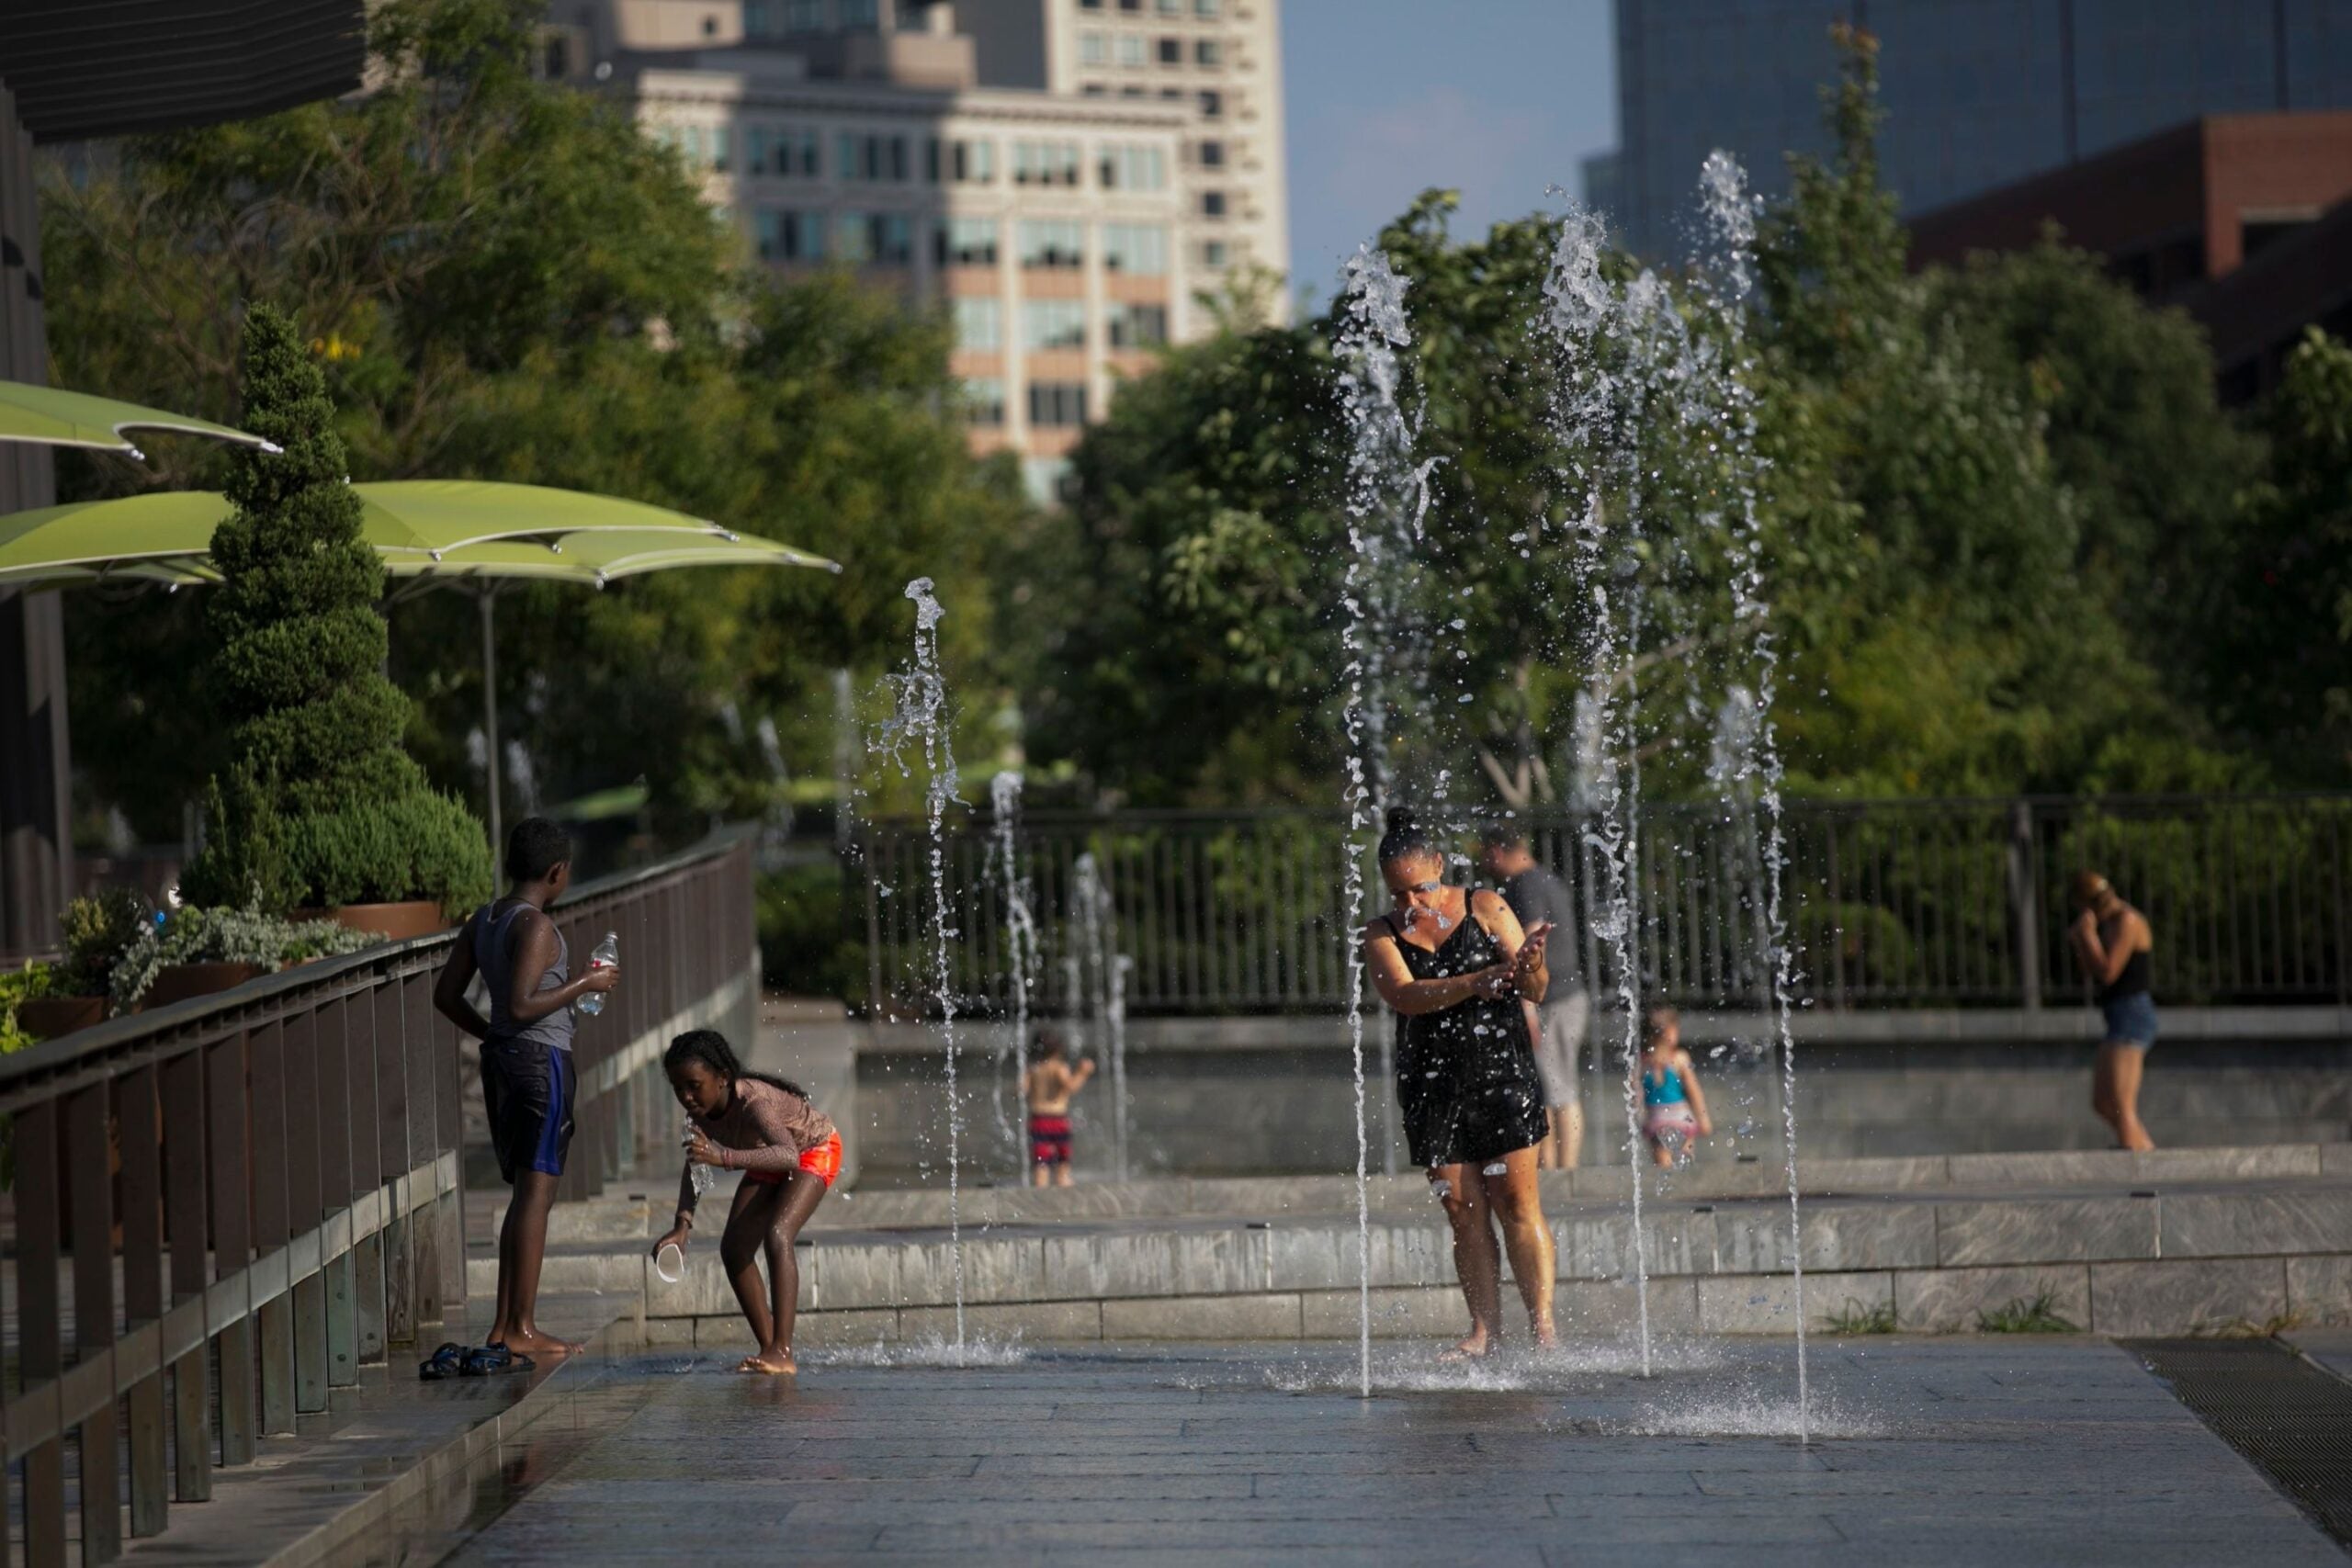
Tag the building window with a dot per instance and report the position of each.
(1212, 105)
(984, 401)
(1093, 49)
(1206, 10)
(804, 16)
(1089, 5)
(1214, 252)
(756, 149)
(1057, 404)
(971, 162)
(869, 158)
(1045, 163)
(1093, 90)
(1212, 204)
(857, 13)
(881, 239)
(1172, 7)
(1211, 154)
(1131, 49)
(555, 57)
(1053, 243)
(1138, 326)
(722, 145)
(979, 324)
(1172, 52)
(1131, 91)
(1139, 250)
(786, 236)
(1133, 168)
(1053, 323)
(1208, 51)
(710, 26)
(967, 242)
(1131, 7)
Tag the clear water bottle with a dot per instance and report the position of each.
(608, 954)
(701, 1175)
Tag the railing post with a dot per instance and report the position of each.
(272, 1200)
(229, 1105)
(306, 1040)
(183, 1182)
(142, 1286)
(88, 1151)
(2025, 905)
(40, 1327)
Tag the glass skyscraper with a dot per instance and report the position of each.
(1978, 93)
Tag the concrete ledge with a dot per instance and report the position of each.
(2176, 1297)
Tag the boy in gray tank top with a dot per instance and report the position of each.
(527, 1082)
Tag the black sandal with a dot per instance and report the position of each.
(493, 1360)
(447, 1362)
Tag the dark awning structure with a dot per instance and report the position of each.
(80, 69)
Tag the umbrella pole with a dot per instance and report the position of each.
(489, 714)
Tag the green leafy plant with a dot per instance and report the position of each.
(96, 932)
(2038, 1315)
(322, 805)
(225, 936)
(34, 980)
(1856, 1318)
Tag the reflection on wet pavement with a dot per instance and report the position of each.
(1978, 1450)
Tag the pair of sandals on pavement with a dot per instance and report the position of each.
(453, 1360)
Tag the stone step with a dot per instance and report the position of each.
(1952, 1251)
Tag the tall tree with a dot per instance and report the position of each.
(321, 805)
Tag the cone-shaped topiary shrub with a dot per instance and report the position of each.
(322, 805)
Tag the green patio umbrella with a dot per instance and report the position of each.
(54, 417)
(463, 534)
(410, 522)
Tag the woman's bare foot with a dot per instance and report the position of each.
(538, 1346)
(771, 1363)
(1476, 1346)
(1546, 1338)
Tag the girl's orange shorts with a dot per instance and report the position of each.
(823, 1162)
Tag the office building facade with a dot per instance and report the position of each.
(1978, 94)
(966, 155)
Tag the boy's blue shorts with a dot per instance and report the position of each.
(527, 1087)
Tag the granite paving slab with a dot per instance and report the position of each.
(1958, 1452)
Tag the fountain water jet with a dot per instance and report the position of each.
(1387, 499)
(918, 703)
(1727, 221)
(1021, 948)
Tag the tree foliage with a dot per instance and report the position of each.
(504, 279)
(320, 805)
(1991, 511)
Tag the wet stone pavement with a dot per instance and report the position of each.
(1990, 1451)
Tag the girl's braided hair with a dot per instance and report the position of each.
(710, 1048)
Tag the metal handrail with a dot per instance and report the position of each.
(303, 1132)
(1901, 903)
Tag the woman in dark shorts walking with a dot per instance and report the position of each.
(1455, 964)
(2112, 943)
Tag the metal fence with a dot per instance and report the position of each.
(1953, 903)
(223, 1208)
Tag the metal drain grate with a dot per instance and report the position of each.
(2291, 1419)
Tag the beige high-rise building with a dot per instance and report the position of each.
(971, 153)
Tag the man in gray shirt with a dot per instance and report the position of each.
(1556, 1028)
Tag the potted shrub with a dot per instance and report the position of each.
(197, 951)
(322, 810)
(97, 932)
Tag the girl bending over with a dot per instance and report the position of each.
(789, 1155)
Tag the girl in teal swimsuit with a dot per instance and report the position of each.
(1674, 1108)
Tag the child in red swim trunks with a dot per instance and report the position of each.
(789, 1154)
(1048, 1087)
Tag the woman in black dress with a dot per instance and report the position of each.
(1454, 965)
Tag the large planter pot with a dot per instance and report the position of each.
(394, 922)
(178, 982)
(46, 1018)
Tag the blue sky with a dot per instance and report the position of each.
(1495, 98)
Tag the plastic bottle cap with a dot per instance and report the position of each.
(670, 1263)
